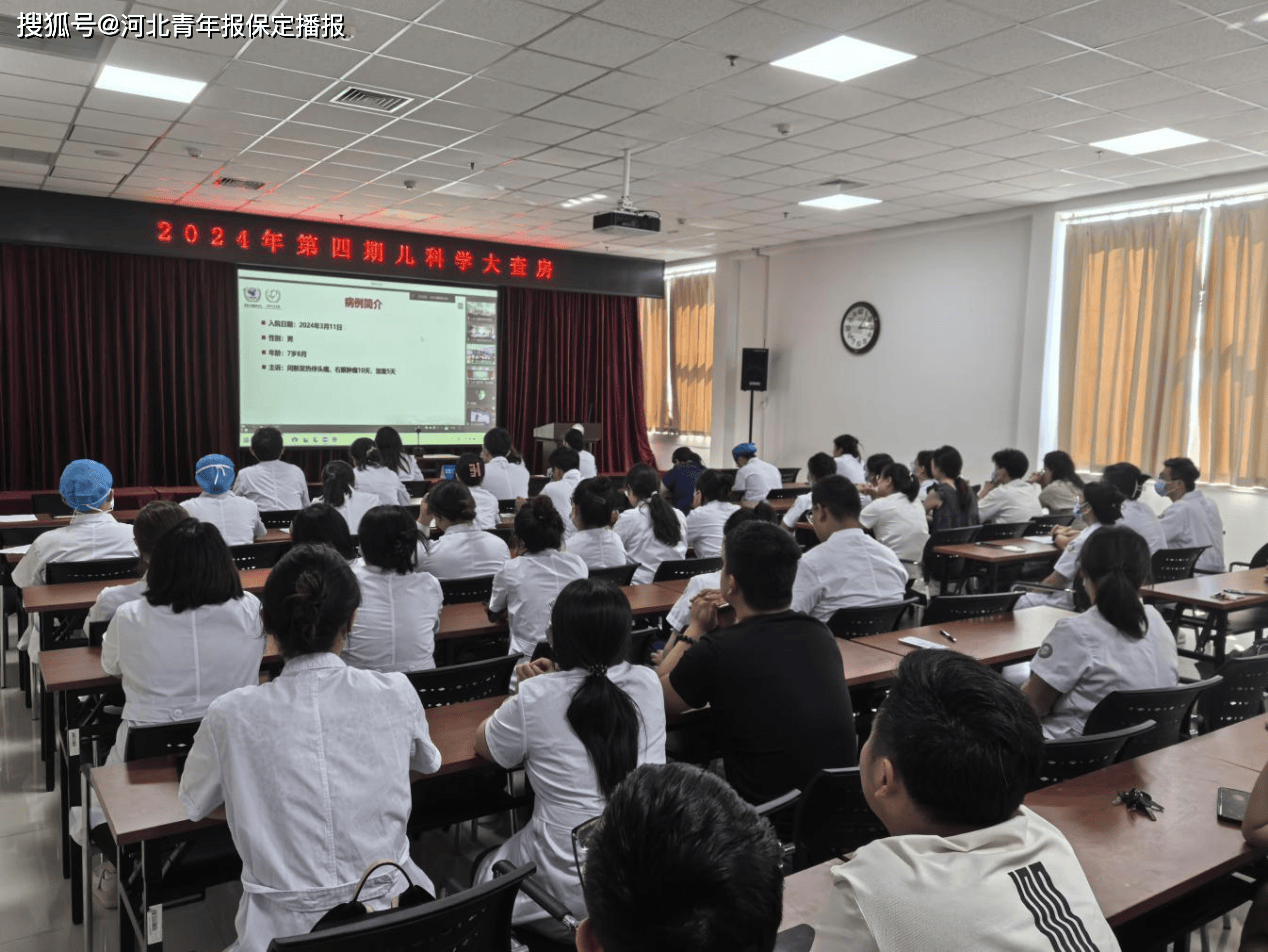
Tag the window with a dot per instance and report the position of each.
(678, 353)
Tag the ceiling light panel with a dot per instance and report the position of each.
(140, 83)
(843, 58)
(1153, 141)
(840, 202)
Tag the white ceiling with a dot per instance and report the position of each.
(521, 105)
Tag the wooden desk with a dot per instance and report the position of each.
(865, 665)
(1014, 637)
(1199, 592)
(995, 553)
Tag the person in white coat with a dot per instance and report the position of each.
(526, 586)
(392, 452)
(154, 519)
(1191, 519)
(375, 478)
(594, 542)
(470, 472)
(323, 524)
(237, 517)
(339, 490)
(506, 480)
(395, 628)
(754, 477)
(895, 519)
(1118, 644)
(575, 439)
(1008, 497)
(653, 531)
(849, 457)
(271, 484)
(820, 466)
(711, 509)
(579, 724)
(564, 476)
(1128, 479)
(1101, 505)
(313, 768)
(462, 551)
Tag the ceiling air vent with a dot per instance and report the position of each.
(27, 157)
(75, 46)
(842, 184)
(226, 182)
(371, 99)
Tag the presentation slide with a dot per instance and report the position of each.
(330, 359)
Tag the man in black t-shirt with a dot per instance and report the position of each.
(773, 681)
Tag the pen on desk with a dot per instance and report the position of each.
(947, 635)
(1238, 591)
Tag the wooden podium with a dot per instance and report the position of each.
(552, 434)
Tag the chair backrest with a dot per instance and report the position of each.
(475, 920)
(1043, 525)
(1239, 697)
(160, 740)
(258, 555)
(942, 608)
(1260, 559)
(454, 683)
(1001, 530)
(278, 518)
(672, 569)
(850, 623)
(789, 473)
(23, 535)
(783, 802)
(787, 492)
(1172, 565)
(94, 570)
(536, 484)
(833, 817)
(96, 632)
(948, 566)
(619, 575)
(1075, 756)
(416, 487)
(51, 504)
(506, 505)
(1169, 707)
(478, 588)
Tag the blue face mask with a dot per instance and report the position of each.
(1160, 486)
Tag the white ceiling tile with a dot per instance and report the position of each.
(1006, 51)
(1175, 111)
(967, 132)
(988, 95)
(686, 65)
(1045, 113)
(214, 97)
(1001, 171)
(842, 101)
(770, 85)
(501, 146)
(33, 127)
(785, 176)
(723, 141)
(759, 35)
(656, 128)
(742, 187)
(1017, 147)
(317, 135)
(1221, 72)
(364, 30)
(304, 55)
(605, 143)
(506, 21)
(1071, 157)
(1134, 91)
(90, 150)
(491, 94)
(89, 163)
(767, 122)
(599, 43)
(40, 90)
(898, 148)
(1201, 152)
(1187, 43)
(1107, 126)
(950, 161)
(1254, 92)
(917, 78)
(426, 134)
(930, 26)
(471, 118)
(215, 121)
(167, 60)
(579, 112)
(990, 190)
(838, 164)
(107, 138)
(890, 173)
(703, 106)
(541, 71)
(590, 179)
(1110, 21)
(1232, 127)
(34, 65)
(733, 167)
(835, 15)
(841, 136)
(942, 182)
(1074, 72)
(669, 18)
(367, 161)
(278, 82)
(1224, 166)
(634, 92)
(569, 158)
(440, 48)
(784, 153)
(85, 175)
(907, 117)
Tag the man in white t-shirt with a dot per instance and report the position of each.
(965, 866)
(1008, 497)
(564, 476)
(272, 484)
(755, 478)
(575, 438)
(506, 480)
(1191, 519)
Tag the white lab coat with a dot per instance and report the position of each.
(1067, 566)
(1138, 516)
(587, 465)
(849, 467)
(598, 548)
(273, 486)
(634, 526)
(395, 628)
(506, 480)
(526, 588)
(313, 770)
(355, 505)
(1014, 501)
(559, 492)
(1194, 520)
(237, 517)
(849, 570)
(799, 510)
(382, 483)
(487, 513)
(464, 552)
(899, 524)
(112, 597)
(408, 470)
(680, 615)
(704, 527)
(756, 479)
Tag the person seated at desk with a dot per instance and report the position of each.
(950, 502)
(237, 517)
(579, 724)
(392, 453)
(1127, 479)
(873, 468)
(313, 767)
(470, 471)
(820, 466)
(922, 469)
(755, 477)
(339, 490)
(274, 486)
(849, 458)
(895, 519)
(154, 519)
(1008, 497)
(849, 569)
(564, 477)
(1060, 484)
(1118, 644)
(506, 480)
(1191, 519)
(462, 551)
(712, 509)
(780, 707)
(595, 542)
(683, 477)
(679, 863)
(395, 627)
(321, 524)
(576, 440)
(525, 587)
(375, 478)
(951, 754)
(653, 531)
(1101, 505)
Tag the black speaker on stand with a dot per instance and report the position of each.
(754, 363)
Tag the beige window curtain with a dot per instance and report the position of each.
(653, 320)
(1233, 356)
(1129, 306)
(691, 357)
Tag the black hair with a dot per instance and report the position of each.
(309, 599)
(1059, 463)
(950, 463)
(1105, 501)
(714, 485)
(593, 499)
(1125, 477)
(904, 482)
(965, 742)
(849, 445)
(364, 453)
(1116, 559)
(1183, 469)
(1014, 462)
(192, 567)
(762, 558)
(685, 454)
(389, 539)
(266, 443)
(837, 495)
(680, 863)
(820, 465)
(644, 483)
(762, 512)
(575, 440)
(538, 526)
(321, 524)
(154, 519)
(924, 460)
(337, 480)
(564, 458)
(391, 449)
(497, 442)
(876, 464)
(590, 627)
(452, 500)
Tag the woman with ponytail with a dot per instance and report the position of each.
(578, 724)
(1101, 505)
(653, 530)
(895, 518)
(395, 628)
(595, 542)
(339, 491)
(1118, 644)
(313, 768)
(375, 478)
(462, 551)
(951, 502)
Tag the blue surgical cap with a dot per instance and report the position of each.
(214, 473)
(86, 485)
(744, 449)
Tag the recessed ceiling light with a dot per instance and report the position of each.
(1154, 141)
(108, 153)
(843, 58)
(574, 202)
(840, 201)
(1262, 18)
(140, 83)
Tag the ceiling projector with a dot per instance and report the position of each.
(626, 219)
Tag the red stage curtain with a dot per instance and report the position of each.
(569, 358)
(127, 359)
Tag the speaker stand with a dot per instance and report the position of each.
(751, 395)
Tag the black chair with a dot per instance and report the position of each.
(848, 623)
(1168, 707)
(1043, 525)
(95, 570)
(478, 588)
(641, 645)
(1257, 561)
(787, 492)
(97, 631)
(789, 473)
(947, 568)
(455, 683)
(50, 504)
(475, 920)
(833, 817)
(672, 570)
(416, 487)
(506, 505)
(1172, 565)
(782, 802)
(944, 608)
(160, 740)
(1075, 756)
(278, 518)
(619, 575)
(1001, 530)
(536, 484)
(258, 555)
(1250, 619)
(1238, 697)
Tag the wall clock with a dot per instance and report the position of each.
(860, 328)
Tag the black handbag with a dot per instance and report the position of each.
(352, 910)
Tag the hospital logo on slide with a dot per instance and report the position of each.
(252, 295)
(272, 295)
